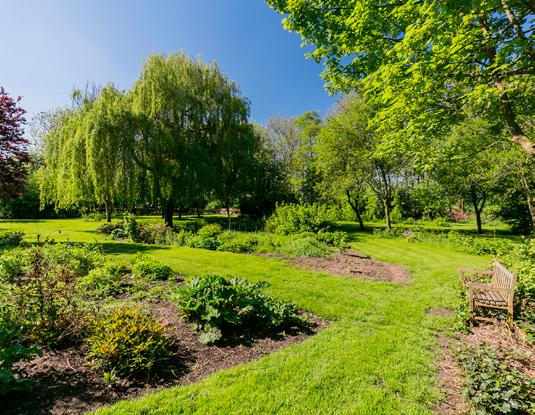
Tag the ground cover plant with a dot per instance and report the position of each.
(72, 301)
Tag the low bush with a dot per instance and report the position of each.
(222, 308)
(337, 239)
(150, 268)
(238, 242)
(93, 217)
(156, 234)
(307, 246)
(129, 342)
(11, 239)
(493, 384)
(109, 228)
(206, 237)
(102, 282)
(294, 218)
(14, 263)
(45, 307)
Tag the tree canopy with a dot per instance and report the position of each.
(14, 152)
(420, 62)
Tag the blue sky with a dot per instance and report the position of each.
(57, 45)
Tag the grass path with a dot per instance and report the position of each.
(376, 357)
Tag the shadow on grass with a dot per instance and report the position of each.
(118, 248)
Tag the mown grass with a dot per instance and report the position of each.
(375, 358)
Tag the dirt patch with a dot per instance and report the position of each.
(439, 312)
(64, 384)
(351, 263)
(450, 380)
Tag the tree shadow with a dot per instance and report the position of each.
(119, 248)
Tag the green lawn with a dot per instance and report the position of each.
(375, 358)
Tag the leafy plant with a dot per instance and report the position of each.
(294, 218)
(206, 237)
(147, 267)
(223, 307)
(129, 342)
(305, 247)
(103, 281)
(11, 239)
(493, 384)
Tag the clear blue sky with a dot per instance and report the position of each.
(50, 46)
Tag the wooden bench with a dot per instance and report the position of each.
(499, 293)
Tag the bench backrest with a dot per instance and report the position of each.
(502, 277)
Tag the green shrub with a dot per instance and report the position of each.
(521, 259)
(129, 342)
(293, 218)
(74, 259)
(109, 228)
(156, 234)
(14, 263)
(238, 242)
(223, 307)
(102, 282)
(93, 217)
(45, 307)
(11, 239)
(307, 246)
(206, 237)
(183, 237)
(150, 268)
(131, 227)
(337, 239)
(493, 385)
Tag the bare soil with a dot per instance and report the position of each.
(354, 264)
(64, 383)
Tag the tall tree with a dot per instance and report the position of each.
(108, 128)
(189, 116)
(421, 61)
(14, 151)
(470, 173)
(352, 156)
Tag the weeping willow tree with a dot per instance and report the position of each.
(88, 158)
(179, 134)
(186, 111)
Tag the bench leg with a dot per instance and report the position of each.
(471, 307)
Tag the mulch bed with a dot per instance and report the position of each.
(498, 335)
(65, 384)
(354, 264)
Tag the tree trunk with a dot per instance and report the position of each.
(530, 198)
(359, 219)
(168, 213)
(198, 211)
(108, 207)
(531, 207)
(478, 209)
(356, 209)
(228, 215)
(386, 204)
(478, 222)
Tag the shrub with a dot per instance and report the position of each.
(293, 218)
(206, 237)
(147, 267)
(493, 384)
(223, 307)
(109, 228)
(183, 237)
(11, 239)
(74, 259)
(237, 242)
(13, 264)
(102, 282)
(156, 234)
(337, 239)
(131, 227)
(44, 304)
(307, 246)
(129, 342)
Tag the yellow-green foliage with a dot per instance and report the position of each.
(130, 342)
